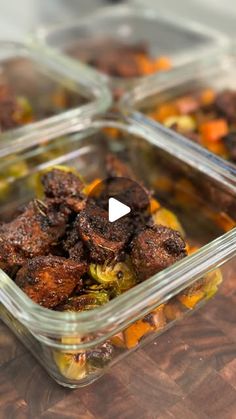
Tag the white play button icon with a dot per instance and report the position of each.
(116, 209)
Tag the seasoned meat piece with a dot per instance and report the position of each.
(49, 280)
(77, 252)
(73, 244)
(104, 240)
(64, 187)
(34, 231)
(10, 260)
(154, 249)
(226, 104)
(116, 168)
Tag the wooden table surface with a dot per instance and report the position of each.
(187, 373)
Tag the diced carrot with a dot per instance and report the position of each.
(207, 97)
(145, 65)
(118, 340)
(166, 110)
(88, 188)
(190, 301)
(216, 147)
(162, 64)
(192, 249)
(154, 205)
(214, 130)
(135, 332)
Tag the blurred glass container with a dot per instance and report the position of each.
(38, 95)
(213, 75)
(161, 35)
(77, 348)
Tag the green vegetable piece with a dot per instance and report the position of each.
(119, 276)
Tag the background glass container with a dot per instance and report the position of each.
(215, 72)
(164, 36)
(56, 94)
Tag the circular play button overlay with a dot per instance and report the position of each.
(120, 197)
(115, 209)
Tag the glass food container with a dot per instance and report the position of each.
(204, 79)
(146, 30)
(39, 95)
(77, 348)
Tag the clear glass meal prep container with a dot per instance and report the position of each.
(177, 39)
(64, 342)
(46, 84)
(216, 72)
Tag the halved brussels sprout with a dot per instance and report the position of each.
(72, 366)
(167, 218)
(119, 276)
(184, 123)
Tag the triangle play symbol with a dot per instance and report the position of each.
(116, 209)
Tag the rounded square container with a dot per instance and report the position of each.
(77, 348)
(207, 77)
(38, 94)
(160, 35)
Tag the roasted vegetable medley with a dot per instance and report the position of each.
(119, 59)
(18, 110)
(62, 251)
(206, 117)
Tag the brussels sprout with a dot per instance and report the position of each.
(119, 276)
(184, 123)
(99, 357)
(168, 219)
(72, 366)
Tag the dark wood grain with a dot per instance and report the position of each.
(187, 373)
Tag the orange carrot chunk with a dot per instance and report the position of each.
(214, 130)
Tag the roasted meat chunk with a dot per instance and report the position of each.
(64, 186)
(49, 280)
(154, 249)
(10, 259)
(103, 239)
(33, 231)
(116, 168)
(8, 108)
